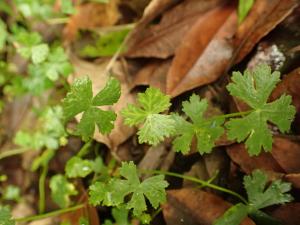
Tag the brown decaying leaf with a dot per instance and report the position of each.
(289, 213)
(96, 73)
(201, 58)
(155, 8)
(264, 161)
(161, 40)
(263, 17)
(91, 15)
(283, 159)
(195, 207)
(153, 74)
(287, 154)
(293, 178)
(153, 158)
(290, 85)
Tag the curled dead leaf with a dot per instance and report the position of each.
(161, 40)
(206, 43)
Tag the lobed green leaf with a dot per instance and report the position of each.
(114, 192)
(205, 131)
(155, 126)
(254, 88)
(80, 100)
(61, 190)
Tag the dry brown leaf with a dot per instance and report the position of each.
(263, 17)
(264, 161)
(153, 74)
(91, 15)
(153, 157)
(204, 52)
(96, 73)
(161, 40)
(195, 207)
(293, 178)
(287, 154)
(155, 8)
(289, 213)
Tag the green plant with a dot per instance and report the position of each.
(244, 8)
(259, 196)
(253, 88)
(119, 186)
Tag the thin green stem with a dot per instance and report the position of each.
(156, 213)
(50, 214)
(225, 116)
(198, 181)
(12, 152)
(105, 30)
(42, 193)
(61, 20)
(85, 148)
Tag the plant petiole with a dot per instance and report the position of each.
(225, 116)
(13, 152)
(198, 181)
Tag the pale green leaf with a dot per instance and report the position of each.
(39, 53)
(67, 7)
(57, 64)
(3, 35)
(156, 126)
(12, 192)
(61, 190)
(78, 167)
(244, 8)
(106, 44)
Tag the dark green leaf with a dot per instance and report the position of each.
(254, 89)
(80, 99)
(261, 196)
(206, 131)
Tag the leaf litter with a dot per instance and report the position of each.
(181, 47)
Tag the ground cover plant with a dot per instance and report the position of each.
(99, 127)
